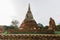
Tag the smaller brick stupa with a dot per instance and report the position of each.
(29, 24)
(52, 25)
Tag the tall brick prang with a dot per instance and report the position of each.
(29, 24)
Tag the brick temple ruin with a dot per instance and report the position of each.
(29, 25)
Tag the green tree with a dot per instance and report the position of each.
(46, 27)
(58, 27)
(14, 23)
(40, 25)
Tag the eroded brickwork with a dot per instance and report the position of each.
(30, 37)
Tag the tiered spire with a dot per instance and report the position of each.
(29, 13)
(29, 24)
(29, 8)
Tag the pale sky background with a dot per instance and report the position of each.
(42, 10)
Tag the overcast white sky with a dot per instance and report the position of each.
(42, 10)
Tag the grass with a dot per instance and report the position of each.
(57, 32)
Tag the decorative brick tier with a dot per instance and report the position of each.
(30, 37)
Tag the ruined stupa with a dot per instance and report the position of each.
(52, 25)
(29, 24)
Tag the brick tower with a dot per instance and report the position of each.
(29, 24)
(52, 25)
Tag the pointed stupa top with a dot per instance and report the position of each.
(29, 13)
(29, 7)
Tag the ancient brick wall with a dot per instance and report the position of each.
(30, 37)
